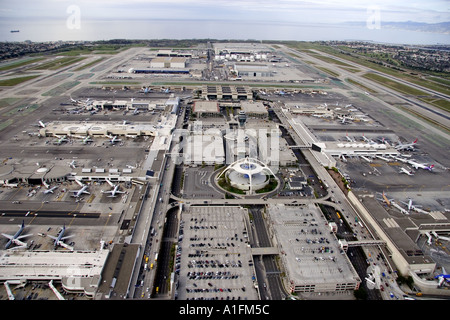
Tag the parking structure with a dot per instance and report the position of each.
(213, 260)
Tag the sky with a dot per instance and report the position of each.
(282, 11)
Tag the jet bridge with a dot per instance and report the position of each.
(361, 243)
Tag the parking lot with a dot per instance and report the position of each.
(214, 260)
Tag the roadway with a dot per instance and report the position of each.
(156, 214)
(267, 272)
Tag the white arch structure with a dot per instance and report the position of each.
(250, 168)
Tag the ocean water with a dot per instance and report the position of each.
(66, 30)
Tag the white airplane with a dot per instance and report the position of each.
(136, 111)
(72, 164)
(88, 101)
(406, 146)
(413, 207)
(400, 208)
(59, 240)
(409, 173)
(145, 90)
(167, 90)
(86, 140)
(370, 141)
(114, 190)
(78, 193)
(73, 100)
(15, 239)
(50, 190)
(60, 139)
(113, 139)
(421, 165)
(408, 204)
(345, 119)
(349, 139)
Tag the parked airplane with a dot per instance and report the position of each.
(370, 141)
(443, 277)
(113, 139)
(114, 190)
(145, 90)
(408, 204)
(73, 100)
(385, 199)
(15, 239)
(78, 193)
(87, 139)
(72, 164)
(345, 119)
(50, 190)
(409, 173)
(349, 139)
(59, 240)
(417, 165)
(61, 139)
(413, 207)
(86, 102)
(167, 90)
(406, 146)
(400, 208)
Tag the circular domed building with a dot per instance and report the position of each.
(247, 174)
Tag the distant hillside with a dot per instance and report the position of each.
(441, 27)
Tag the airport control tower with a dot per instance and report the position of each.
(242, 118)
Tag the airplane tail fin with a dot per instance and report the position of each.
(415, 141)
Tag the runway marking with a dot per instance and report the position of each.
(91, 198)
(107, 220)
(71, 212)
(74, 216)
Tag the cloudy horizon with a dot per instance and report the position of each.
(288, 11)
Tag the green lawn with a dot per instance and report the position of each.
(17, 64)
(59, 63)
(15, 81)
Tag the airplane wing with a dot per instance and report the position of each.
(80, 183)
(52, 237)
(23, 236)
(110, 183)
(10, 237)
(24, 245)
